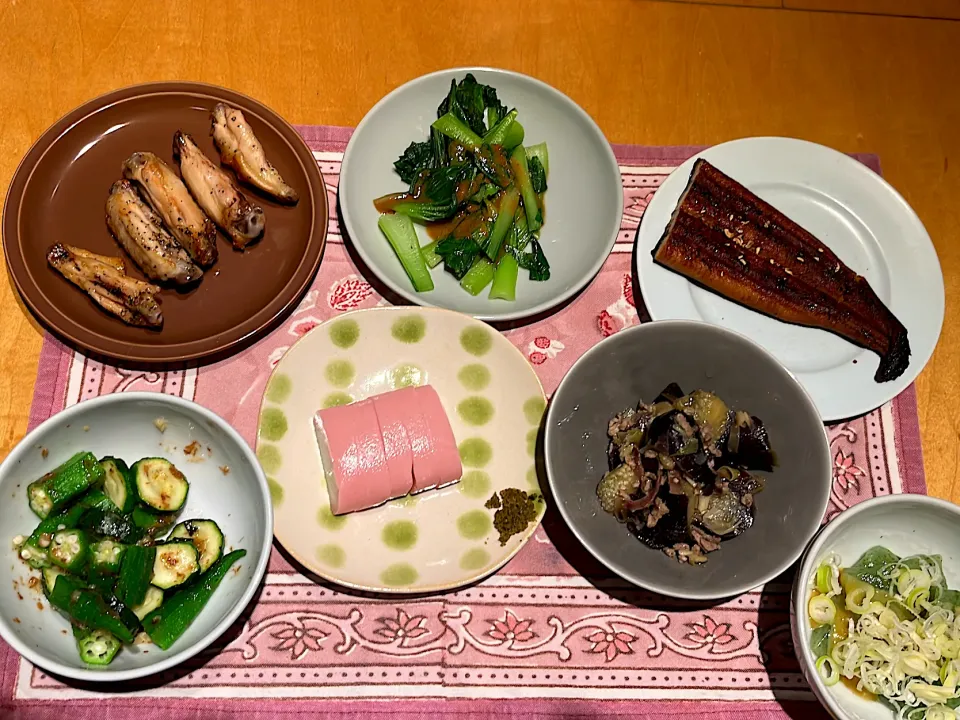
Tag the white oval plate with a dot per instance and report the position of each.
(584, 200)
(436, 540)
(854, 212)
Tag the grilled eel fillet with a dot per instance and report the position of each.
(103, 279)
(725, 238)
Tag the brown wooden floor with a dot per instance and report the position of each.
(939, 9)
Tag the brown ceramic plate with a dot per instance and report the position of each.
(58, 195)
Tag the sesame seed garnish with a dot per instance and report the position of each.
(787, 271)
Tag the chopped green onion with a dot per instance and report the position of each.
(940, 712)
(822, 610)
(918, 598)
(827, 670)
(910, 580)
(824, 578)
(949, 674)
(912, 664)
(858, 599)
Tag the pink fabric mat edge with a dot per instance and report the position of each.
(54, 362)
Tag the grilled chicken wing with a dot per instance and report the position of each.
(131, 300)
(169, 197)
(217, 193)
(114, 262)
(240, 149)
(140, 232)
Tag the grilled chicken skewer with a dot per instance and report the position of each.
(240, 149)
(133, 301)
(140, 231)
(171, 200)
(217, 193)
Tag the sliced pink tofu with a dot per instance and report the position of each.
(354, 457)
(436, 459)
(393, 411)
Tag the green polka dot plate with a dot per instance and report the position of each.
(432, 541)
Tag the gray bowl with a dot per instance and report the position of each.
(636, 364)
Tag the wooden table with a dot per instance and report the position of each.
(654, 73)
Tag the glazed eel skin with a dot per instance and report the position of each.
(727, 239)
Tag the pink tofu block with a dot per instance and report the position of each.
(393, 411)
(354, 457)
(436, 459)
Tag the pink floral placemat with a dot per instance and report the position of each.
(551, 635)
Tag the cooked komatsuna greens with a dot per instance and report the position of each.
(681, 472)
(888, 628)
(104, 563)
(478, 190)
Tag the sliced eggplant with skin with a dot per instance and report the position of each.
(696, 468)
(616, 488)
(753, 446)
(669, 530)
(743, 483)
(710, 413)
(665, 435)
(725, 516)
(670, 394)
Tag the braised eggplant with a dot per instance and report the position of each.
(751, 449)
(680, 473)
(725, 515)
(669, 531)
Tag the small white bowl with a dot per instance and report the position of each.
(584, 200)
(123, 425)
(906, 525)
